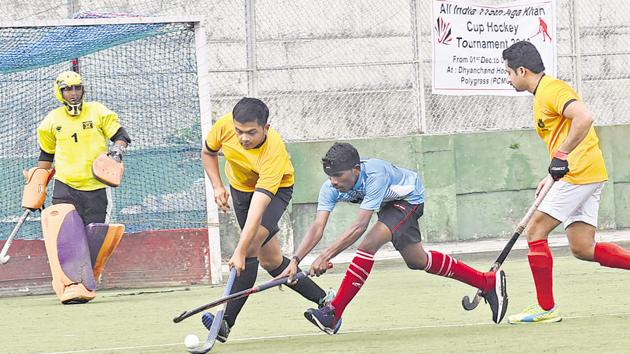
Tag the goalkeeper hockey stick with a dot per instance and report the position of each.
(472, 304)
(4, 257)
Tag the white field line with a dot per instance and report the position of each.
(299, 335)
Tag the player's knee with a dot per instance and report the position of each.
(534, 234)
(271, 259)
(269, 265)
(369, 246)
(415, 265)
(538, 228)
(582, 252)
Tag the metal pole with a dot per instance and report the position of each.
(250, 42)
(205, 108)
(417, 66)
(576, 47)
(73, 7)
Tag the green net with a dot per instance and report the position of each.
(147, 73)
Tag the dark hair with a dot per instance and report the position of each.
(249, 110)
(524, 54)
(340, 157)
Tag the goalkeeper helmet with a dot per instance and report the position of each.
(68, 79)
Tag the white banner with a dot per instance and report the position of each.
(468, 40)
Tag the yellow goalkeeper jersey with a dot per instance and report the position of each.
(76, 141)
(267, 167)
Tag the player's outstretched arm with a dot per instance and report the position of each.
(311, 239)
(347, 238)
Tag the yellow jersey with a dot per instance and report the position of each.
(586, 161)
(265, 168)
(76, 141)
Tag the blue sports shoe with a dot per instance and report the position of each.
(324, 319)
(224, 331)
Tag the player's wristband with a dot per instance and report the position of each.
(297, 259)
(561, 155)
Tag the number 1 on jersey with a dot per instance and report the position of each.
(75, 137)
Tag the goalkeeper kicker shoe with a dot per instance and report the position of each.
(224, 331)
(497, 298)
(76, 293)
(324, 319)
(535, 314)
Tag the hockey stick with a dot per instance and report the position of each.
(472, 304)
(241, 294)
(4, 257)
(218, 320)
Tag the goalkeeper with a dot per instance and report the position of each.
(75, 136)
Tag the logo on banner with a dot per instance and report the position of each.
(542, 29)
(443, 31)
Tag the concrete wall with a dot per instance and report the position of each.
(146, 259)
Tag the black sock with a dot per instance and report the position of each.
(245, 281)
(305, 286)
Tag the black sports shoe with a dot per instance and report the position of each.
(324, 319)
(497, 298)
(224, 331)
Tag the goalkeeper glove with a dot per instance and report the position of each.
(116, 152)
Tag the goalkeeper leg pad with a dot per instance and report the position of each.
(68, 254)
(102, 240)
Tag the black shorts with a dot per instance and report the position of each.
(272, 214)
(91, 205)
(402, 220)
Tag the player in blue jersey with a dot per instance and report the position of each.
(397, 195)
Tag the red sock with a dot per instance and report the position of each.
(541, 264)
(356, 274)
(444, 265)
(611, 255)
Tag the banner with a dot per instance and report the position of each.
(468, 41)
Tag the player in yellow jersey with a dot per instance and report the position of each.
(77, 240)
(260, 174)
(565, 124)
